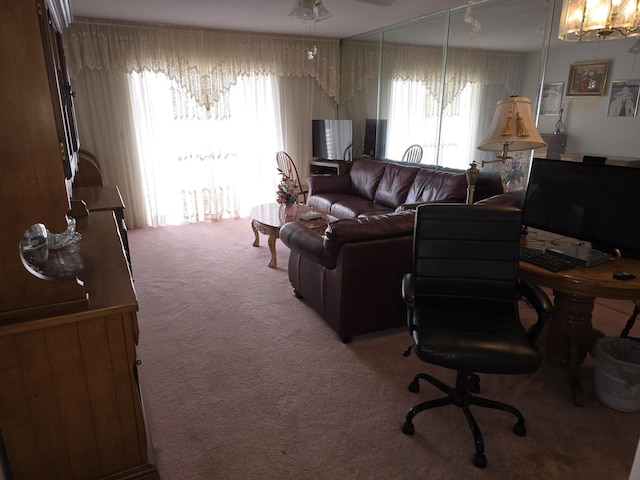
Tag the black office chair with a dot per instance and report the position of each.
(462, 306)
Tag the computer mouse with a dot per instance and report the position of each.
(620, 275)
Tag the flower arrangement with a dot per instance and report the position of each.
(288, 190)
(512, 170)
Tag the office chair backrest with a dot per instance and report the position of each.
(466, 256)
(413, 154)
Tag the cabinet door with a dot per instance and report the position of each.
(61, 93)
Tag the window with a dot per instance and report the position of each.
(198, 167)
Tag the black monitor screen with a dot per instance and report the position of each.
(591, 202)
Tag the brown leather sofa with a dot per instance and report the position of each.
(374, 187)
(352, 275)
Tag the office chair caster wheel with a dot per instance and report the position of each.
(414, 386)
(479, 460)
(520, 429)
(408, 428)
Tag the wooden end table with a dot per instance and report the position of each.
(270, 217)
(571, 334)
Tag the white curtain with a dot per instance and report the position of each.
(202, 168)
(207, 81)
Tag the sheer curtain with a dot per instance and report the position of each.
(188, 121)
(197, 167)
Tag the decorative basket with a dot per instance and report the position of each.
(617, 380)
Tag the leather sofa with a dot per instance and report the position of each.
(374, 187)
(352, 275)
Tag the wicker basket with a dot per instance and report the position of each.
(617, 380)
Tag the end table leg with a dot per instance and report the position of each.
(256, 242)
(272, 248)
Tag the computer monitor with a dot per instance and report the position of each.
(594, 203)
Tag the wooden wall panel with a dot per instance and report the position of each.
(102, 383)
(74, 403)
(18, 430)
(124, 352)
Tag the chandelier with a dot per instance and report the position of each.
(310, 11)
(585, 20)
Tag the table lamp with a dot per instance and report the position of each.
(512, 129)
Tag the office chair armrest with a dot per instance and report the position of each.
(539, 300)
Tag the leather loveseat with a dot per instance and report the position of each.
(352, 275)
(374, 187)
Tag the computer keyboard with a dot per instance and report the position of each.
(546, 260)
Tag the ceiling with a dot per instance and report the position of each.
(349, 17)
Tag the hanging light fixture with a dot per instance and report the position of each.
(586, 20)
(310, 11)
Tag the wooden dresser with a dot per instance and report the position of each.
(70, 404)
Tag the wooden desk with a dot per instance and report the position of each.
(70, 403)
(571, 335)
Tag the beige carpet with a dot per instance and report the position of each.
(243, 381)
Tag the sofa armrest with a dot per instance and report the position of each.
(506, 199)
(329, 184)
(301, 239)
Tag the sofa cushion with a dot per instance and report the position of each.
(394, 185)
(365, 176)
(430, 185)
(368, 228)
(351, 207)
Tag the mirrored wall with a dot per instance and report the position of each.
(434, 81)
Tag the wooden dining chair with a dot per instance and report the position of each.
(413, 154)
(286, 165)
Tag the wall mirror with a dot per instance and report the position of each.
(434, 81)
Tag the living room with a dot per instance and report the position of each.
(239, 378)
(315, 89)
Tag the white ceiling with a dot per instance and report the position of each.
(349, 17)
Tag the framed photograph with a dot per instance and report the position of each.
(623, 101)
(551, 98)
(587, 79)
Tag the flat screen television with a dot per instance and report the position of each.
(332, 139)
(589, 202)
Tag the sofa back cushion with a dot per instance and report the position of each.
(394, 184)
(365, 176)
(367, 228)
(431, 185)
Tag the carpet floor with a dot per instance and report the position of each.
(241, 380)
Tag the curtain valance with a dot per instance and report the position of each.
(425, 63)
(204, 62)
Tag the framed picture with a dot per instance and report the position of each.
(551, 99)
(587, 79)
(623, 101)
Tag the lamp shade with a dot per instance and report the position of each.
(584, 20)
(512, 126)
